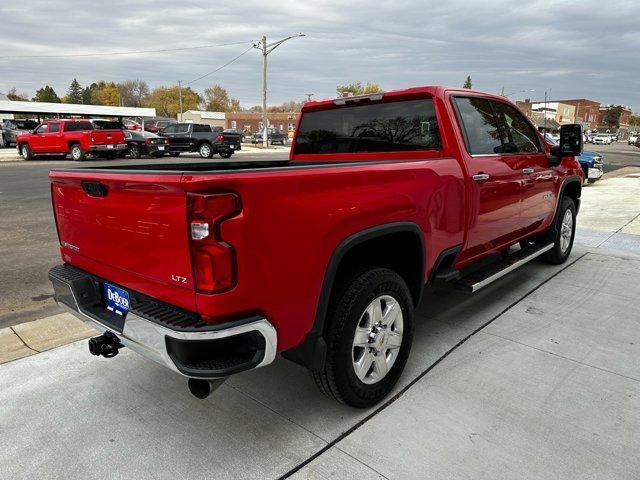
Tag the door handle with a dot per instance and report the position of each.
(528, 171)
(481, 177)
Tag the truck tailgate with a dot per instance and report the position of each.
(127, 228)
(107, 137)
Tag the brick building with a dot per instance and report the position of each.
(586, 112)
(251, 122)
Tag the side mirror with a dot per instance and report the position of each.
(570, 140)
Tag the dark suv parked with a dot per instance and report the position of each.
(195, 137)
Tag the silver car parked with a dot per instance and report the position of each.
(10, 129)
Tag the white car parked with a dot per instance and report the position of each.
(633, 137)
(602, 139)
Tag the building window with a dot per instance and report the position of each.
(281, 126)
(233, 124)
(291, 127)
(260, 125)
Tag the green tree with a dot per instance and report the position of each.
(74, 94)
(46, 94)
(14, 95)
(357, 88)
(217, 99)
(105, 93)
(634, 120)
(166, 100)
(133, 92)
(612, 117)
(467, 82)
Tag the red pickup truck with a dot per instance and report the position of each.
(75, 137)
(211, 269)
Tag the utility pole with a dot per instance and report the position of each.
(266, 49)
(309, 95)
(180, 97)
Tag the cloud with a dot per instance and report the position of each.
(579, 49)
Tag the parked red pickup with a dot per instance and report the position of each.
(211, 269)
(75, 137)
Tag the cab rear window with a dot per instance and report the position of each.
(408, 125)
(78, 126)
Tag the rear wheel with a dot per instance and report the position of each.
(134, 151)
(77, 153)
(26, 152)
(205, 150)
(565, 229)
(369, 332)
(226, 154)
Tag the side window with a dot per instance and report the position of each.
(480, 129)
(170, 129)
(54, 127)
(202, 128)
(181, 128)
(517, 134)
(42, 129)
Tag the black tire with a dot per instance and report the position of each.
(338, 378)
(561, 249)
(77, 153)
(3, 142)
(205, 150)
(226, 154)
(134, 151)
(26, 152)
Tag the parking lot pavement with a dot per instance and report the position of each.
(550, 389)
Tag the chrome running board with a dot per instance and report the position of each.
(491, 273)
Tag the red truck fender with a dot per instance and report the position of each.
(311, 352)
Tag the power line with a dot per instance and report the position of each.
(134, 52)
(219, 68)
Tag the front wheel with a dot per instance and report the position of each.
(368, 333)
(565, 229)
(26, 152)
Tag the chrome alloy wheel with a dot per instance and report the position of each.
(566, 230)
(377, 340)
(205, 150)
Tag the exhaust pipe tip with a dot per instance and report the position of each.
(203, 388)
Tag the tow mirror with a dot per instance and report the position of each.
(570, 140)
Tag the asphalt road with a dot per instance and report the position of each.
(28, 239)
(617, 156)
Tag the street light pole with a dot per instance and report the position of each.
(180, 97)
(266, 49)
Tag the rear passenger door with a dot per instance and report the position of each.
(523, 145)
(495, 184)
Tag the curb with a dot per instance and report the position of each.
(29, 338)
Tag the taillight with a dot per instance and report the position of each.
(220, 138)
(213, 259)
(149, 142)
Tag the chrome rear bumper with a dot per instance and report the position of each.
(205, 352)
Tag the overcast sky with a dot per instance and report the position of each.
(581, 49)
